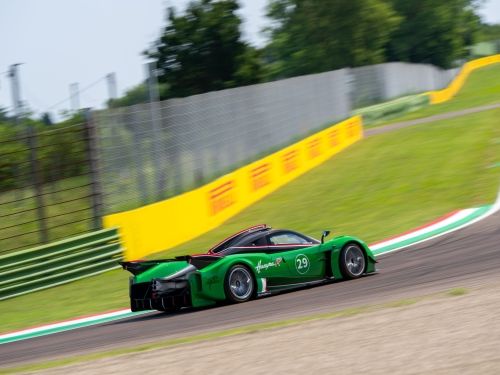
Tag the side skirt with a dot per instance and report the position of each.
(281, 288)
(275, 289)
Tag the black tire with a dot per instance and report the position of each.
(239, 284)
(352, 261)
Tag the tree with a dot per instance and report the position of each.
(202, 50)
(489, 32)
(136, 95)
(434, 32)
(310, 36)
(46, 119)
(4, 116)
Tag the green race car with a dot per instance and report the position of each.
(254, 262)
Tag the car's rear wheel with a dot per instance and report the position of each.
(352, 261)
(239, 284)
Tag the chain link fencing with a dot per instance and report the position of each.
(154, 151)
(374, 84)
(150, 152)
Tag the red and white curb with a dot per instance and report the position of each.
(440, 227)
(444, 225)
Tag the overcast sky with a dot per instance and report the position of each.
(60, 42)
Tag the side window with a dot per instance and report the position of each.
(259, 242)
(287, 239)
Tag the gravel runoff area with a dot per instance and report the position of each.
(440, 334)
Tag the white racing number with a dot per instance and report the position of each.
(302, 263)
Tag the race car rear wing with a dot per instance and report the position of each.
(136, 267)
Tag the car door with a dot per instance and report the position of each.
(302, 259)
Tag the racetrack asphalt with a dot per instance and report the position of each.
(465, 257)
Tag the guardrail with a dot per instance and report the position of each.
(59, 262)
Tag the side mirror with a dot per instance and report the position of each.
(325, 233)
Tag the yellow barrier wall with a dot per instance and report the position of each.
(446, 94)
(163, 225)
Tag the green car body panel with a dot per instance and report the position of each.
(271, 272)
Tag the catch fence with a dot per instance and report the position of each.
(154, 151)
(47, 189)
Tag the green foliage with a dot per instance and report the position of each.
(4, 117)
(13, 154)
(46, 119)
(434, 32)
(250, 68)
(137, 95)
(202, 50)
(60, 154)
(310, 36)
(489, 32)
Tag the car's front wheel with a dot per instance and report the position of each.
(239, 284)
(352, 261)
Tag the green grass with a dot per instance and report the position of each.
(481, 88)
(67, 209)
(379, 187)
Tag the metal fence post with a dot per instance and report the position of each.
(92, 157)
(37, 184)
(154, 108)
(139, 167)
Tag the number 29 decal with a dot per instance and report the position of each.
(302, 263)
